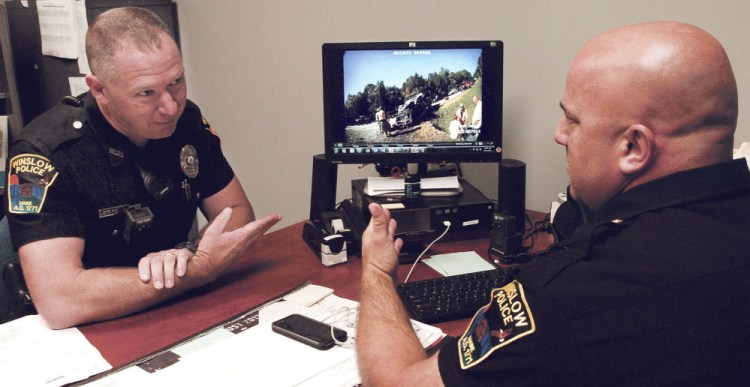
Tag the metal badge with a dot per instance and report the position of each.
(189, 161)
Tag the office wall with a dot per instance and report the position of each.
(255, 69)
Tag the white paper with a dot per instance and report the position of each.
(259, 356)
(3, 149)
(77, 85)
(34, 355)
(391, 185)
(57, 27)
(458, 263)
(309, 295)
(82, 24)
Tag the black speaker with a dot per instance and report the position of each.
(323, 187)
(511, 192)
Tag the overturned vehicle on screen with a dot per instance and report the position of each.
(414, 111)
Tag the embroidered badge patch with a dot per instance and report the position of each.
(29, 178)
(505, 319)
(209, 127)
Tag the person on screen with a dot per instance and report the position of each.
(652, 288)
(454, 128)
(463, 116)
(104, 187)
(382, 119)
(476, 117)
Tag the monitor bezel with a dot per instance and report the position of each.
(492, 96)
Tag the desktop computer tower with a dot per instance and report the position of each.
(470, 213)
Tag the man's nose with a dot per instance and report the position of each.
(167, 104)
(561, 132)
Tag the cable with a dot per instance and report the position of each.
(336, 318)
(447, 227)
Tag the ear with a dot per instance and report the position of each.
(636, 149)
(95, 85)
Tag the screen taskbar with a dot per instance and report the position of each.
(480, 146)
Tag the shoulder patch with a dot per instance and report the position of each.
(29, 177)
(504, 320)
(208, 126)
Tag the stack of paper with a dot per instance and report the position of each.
(35, 355)
(258, 355)
(392, 186)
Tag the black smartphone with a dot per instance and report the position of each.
(308, 331)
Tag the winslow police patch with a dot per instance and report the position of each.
(505, 319)
(28, 179)
(208, 126)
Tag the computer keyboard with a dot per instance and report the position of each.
(452, 297)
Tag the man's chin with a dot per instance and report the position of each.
(163, 131)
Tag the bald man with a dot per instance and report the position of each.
(653, 288)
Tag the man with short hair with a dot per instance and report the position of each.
(104, 188)
(476, 117)
(652, 289)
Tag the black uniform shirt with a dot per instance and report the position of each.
(655, 291)
(72, 175)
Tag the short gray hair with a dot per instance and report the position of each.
(106, 34)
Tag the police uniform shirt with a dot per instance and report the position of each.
(655, 292)
(71, 174)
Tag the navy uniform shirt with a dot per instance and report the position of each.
(655, 291)
(71, 174)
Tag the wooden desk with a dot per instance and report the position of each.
(281, 261)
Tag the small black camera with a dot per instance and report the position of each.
(138, 219)
(504, 238)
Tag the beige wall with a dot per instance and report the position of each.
(254, 67)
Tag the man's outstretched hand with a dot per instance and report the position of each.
(379, 249)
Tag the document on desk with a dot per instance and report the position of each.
(458, 263)
(390, 186)
(259, 356)
(35, 355)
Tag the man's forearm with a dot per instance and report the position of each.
(386, 342)
(105, 293)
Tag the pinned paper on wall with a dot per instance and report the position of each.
(82, 25)
(3, 149)
(61, 28)
(78, 85)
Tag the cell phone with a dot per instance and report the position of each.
(308, 331)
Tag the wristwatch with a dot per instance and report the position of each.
(187, 245)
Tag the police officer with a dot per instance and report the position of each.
(652, 289)
(103, 188)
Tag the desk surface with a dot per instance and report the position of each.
(280, 261)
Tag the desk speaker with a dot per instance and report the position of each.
(323, 187)
(511, 192)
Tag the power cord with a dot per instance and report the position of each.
(351, 340)
(447, 225)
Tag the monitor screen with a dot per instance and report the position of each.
(413, 102)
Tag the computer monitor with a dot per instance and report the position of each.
(413, 102)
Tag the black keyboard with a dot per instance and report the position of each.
(453, 297)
